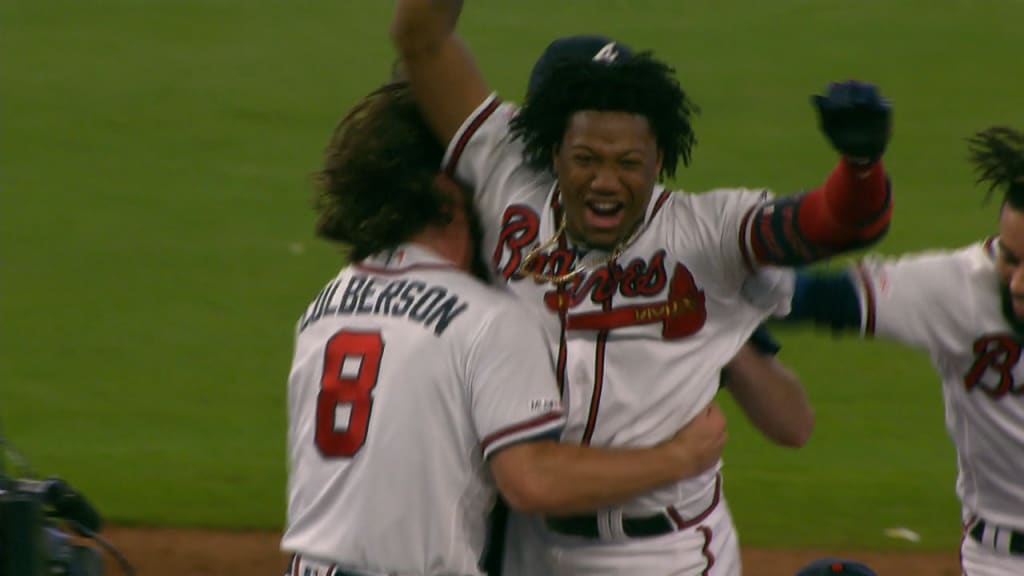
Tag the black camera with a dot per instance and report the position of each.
(39, 522)
(46, 527)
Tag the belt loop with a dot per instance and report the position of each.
(1001, 540)
(988, 535)
(613, 518)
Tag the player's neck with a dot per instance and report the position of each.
(446, 243)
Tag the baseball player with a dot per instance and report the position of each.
(966, 308)
(417, 391)
(770, 395)
(640, 287)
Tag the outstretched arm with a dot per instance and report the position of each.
(828, 299)
(437, 64)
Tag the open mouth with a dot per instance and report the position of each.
(605, 213)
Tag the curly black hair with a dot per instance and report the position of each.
(998, 157)
(639, 85)
(376, 188)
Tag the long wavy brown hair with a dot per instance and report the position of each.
(376, 187)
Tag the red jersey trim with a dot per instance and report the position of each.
(595, 398)
(744, 236)
(869, 300)
(467, 134)
(537, 422)
(659, 203)
(990, 246)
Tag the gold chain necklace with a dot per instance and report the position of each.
(540, 276)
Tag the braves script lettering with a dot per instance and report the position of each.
(681, 314)
(995, 357)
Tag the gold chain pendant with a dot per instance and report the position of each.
(560, 278)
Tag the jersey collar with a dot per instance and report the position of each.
(408, 256)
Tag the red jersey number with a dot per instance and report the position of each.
(351, 367)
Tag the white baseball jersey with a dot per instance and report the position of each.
(408, 374)
(641, 340)
(949, 303)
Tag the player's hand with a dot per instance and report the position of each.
(698, 445)
(856, 120)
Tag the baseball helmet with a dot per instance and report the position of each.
(835, 567)
(575, 48)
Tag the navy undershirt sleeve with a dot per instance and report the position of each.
(826, 299)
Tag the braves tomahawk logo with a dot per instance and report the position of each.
(682, 312)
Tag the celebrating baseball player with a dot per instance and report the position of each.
(640, 286)
(417, 391)
(770, 395)
(966, 308)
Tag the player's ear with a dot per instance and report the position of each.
(555, 148)
(659, 162)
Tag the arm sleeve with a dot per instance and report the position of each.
(829, 299)
(914, 299)
(851, 210)
(483, 157)
(511, 379)
(717, 223)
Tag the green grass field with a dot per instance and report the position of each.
(156, 245)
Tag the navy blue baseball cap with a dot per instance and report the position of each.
(575, 49)
(835, 567)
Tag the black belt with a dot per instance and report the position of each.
(635, 527)
(1016, 538)
(586, 526)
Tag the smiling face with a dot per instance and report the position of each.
(1010, 261)
(607, 165)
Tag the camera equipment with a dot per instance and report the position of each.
(35, 519)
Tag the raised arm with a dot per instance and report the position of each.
(852, 209)
(437, 64)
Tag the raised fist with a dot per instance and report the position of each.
(856, 119)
